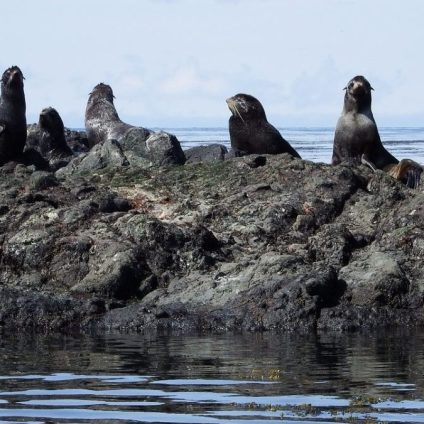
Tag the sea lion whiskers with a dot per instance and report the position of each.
(238, 113)
(232, 105)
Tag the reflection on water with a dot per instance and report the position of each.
(247, 378)
(314, 143)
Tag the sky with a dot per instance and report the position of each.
(172, 63)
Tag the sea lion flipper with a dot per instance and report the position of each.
(367, 162)
(413, 175)
(406, 171)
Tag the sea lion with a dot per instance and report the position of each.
(52, 137)
(356, 139)
(101, 118)
(13, 129)
(102, 123)
(49, 139)
(250, 132)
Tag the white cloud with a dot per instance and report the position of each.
(188, 80)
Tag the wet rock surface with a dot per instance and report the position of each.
(253, 242)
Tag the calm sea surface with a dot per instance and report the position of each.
(235, 379)
(315, 144)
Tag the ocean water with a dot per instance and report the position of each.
(314, 143)
(212, 379)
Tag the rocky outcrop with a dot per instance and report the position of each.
(209, 153)
(102, 155)
(134, 149)
(254, 242)
(143, 147)
(137, 147)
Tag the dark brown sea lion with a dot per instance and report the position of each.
(47, 138)
(101, 118)
(357, 140)
(250, 132)
(13, 129)
(52, 137)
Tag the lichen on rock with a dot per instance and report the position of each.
(254, 242)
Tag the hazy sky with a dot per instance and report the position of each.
(174, 62)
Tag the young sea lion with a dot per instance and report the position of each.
(52, 137)
(13, 129)
(250, 132)
(357, 140)
(52, 144)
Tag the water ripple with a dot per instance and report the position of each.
(213, 379)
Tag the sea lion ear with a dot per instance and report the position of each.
(372, 88)
(345, 88)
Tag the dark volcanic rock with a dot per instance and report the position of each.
(76, 140)
(210, 153)
(255, 242)
(165, 149)
(141, 145)
(138, 148)
(102, 155)
(135, 141)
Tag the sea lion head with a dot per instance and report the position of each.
(358, 92)
(102, 91)
(12, 79)
(50, 120)
(101, 116)
(245, 107)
